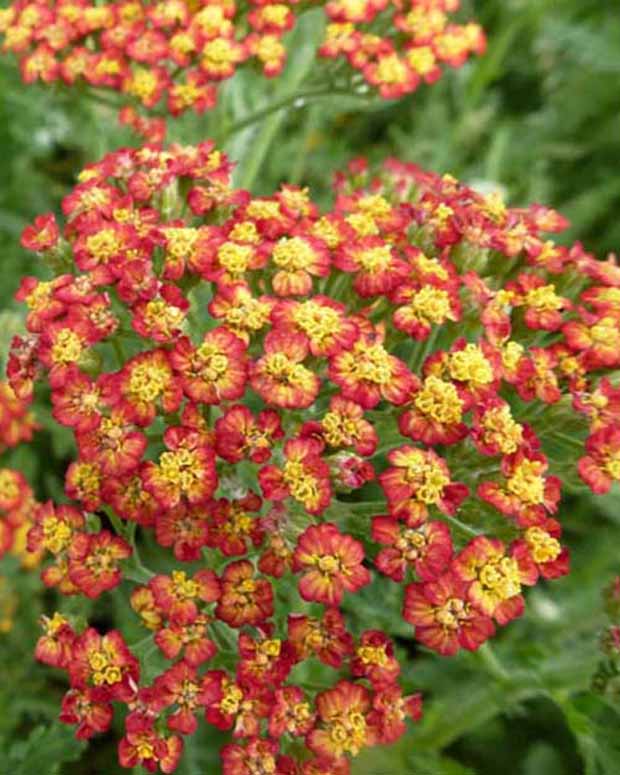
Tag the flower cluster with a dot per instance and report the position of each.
(17, 501)
(172, 55)
(17, 423)
(247, 379)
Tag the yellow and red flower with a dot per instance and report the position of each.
(185, 471)
(435, 413)
(444, 618)
(93, 561)
(304, 476)
(279, 376)
(180, 596)
(213, 372)
(331, 564)
(494, 577)
(344, 426)
(527, 492)
(367, 372)
(245, 598)
(238, 434)
(326, 638)
(427, 548)
(320, 320)
(601, 466)
(341, 726)
(418, 479)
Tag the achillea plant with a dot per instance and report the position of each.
(292, 404)
(168, 57)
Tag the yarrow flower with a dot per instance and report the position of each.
(356, 393)
(170, 57)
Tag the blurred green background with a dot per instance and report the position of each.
(538, 116)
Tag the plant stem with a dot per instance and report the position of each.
(287, 102)
(462, 526)
(492, 663)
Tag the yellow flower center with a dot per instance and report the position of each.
(431, 305)
(427, 476)
(104, 671)
(235, 258)
(245, 231)
(543, 298)
(67, 347)
(263, 210)
(302, 485)
(500, 579)
(231, 700)
(293, 254)
(527, 483)
(470, 365)
(451, 613)
(184, 588)
(180, 242)
(439, 400)
(372, 655)
(369, 362)
(57, 535)
(339, 430)
(180, 468)
(391, 69)
(544, 548)
(315, 320)
(148, 381)
(376, 259)
(501, 428)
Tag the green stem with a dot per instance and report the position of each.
(287, 102)
(492, 663)
(119, 351)
(462, 526)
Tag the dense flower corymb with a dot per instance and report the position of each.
(297, 402)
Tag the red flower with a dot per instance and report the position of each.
(297, 260)
(186, 470)
(374, 659)
(93, 561)
(214, 371)
(444, 619)
(143, 746)
(326, 638)
(42, 235)
(540, 545)
(245, 599)
(179, 596)
(238, 434)
(366, 373)
(427, 549)
(494, 577)
(144, 382)
(232, 527)
(91, 716)
(601, 466)
(279, 376)
(180, 686)
(418, 479)
(105, 663)
(190, 641)
(320, 320)
(390, 711)
(527, 493)
(341, 724)
(331, 563)
(375, 265)
(435, 413)
(290, 713)
(344, 426)
(304, 476)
